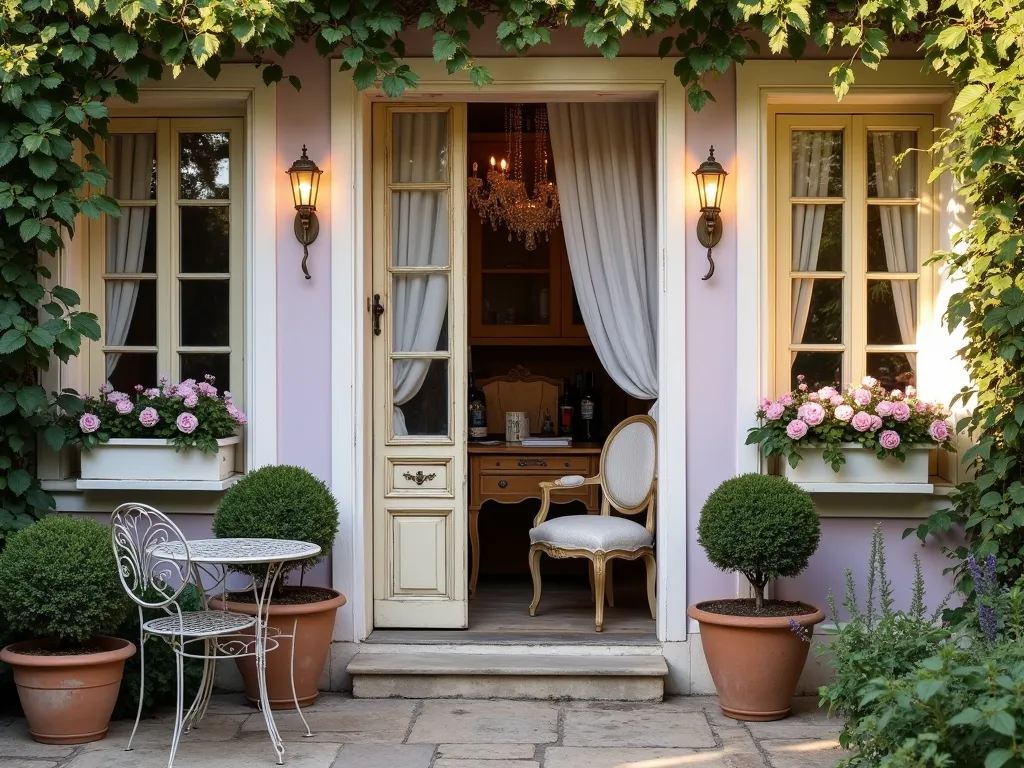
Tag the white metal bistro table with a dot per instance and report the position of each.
(273, 554)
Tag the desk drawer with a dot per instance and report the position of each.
(559, 465)
(515, 486)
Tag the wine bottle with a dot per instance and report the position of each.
(477, 412)
(588, 424)
(566, 411)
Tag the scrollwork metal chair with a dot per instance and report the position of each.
(628, 477)
(137, 531)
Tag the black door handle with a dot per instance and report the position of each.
(378, 310)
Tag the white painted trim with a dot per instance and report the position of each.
(529, 79)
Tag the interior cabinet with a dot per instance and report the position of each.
(517, 296)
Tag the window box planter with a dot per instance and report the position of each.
(145, 459)
(862, 466)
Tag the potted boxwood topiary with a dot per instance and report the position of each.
(764, 527)
(59, 586)
(285, 502)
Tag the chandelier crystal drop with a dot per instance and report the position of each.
(504, 198)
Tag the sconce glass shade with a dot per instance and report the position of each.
(710, 183)
(305, 178)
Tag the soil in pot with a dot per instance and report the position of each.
(755, 658)
(68, 697)
(306, 612)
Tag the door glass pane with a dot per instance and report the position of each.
(892, 311)
(892, 238)
(419, 147)
(817, 238)
(203, 170)
(130, 319)
(817, 311)
(817, 164)
(516, 299)
(819, 368)
(418, 313)
(419, 228)
(894, 370)
(131, 241)
(131, 160)
(420, 397)
(205, 241)
(501, 250)
(126, 369)
(205, 312)
(890, 172)
(196, 365)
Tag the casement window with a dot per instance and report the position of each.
(854, 222)
(166, 276)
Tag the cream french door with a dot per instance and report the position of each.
(419, 344)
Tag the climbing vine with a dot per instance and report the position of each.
(61, 60)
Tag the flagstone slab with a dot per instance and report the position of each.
(804, 753)
(359, 722)
(486, 751)
(648, 727)
(15, 741)
(210, 754)
(385, 756)
(492, 722)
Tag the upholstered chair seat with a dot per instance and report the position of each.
(593, 533)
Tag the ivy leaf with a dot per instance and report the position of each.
(8, 151)
(1002, 722)
(7, 403)
(38, 110)
(31, 399)
(272, 74)
(243, 29)
(951, 37)
(444, 46)
(29, 229)
(364, 75)
(203, 47)
(85, 324)
(124, 46)
(967, 96)
(54, 436)
(19, 481)
(42, 166)
(352, 55)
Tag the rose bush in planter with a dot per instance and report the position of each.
(764, 527)
(59, 586)
(285, 502)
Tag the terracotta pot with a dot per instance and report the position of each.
(68, 699)
(754, 661)
(313, 626)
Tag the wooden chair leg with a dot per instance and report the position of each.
(590, 576)
(535, 553)
(599, 574)
(609, 591)
(652, 577)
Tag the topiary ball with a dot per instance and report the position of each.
(279, 502)
(58, 581)
(759, 525)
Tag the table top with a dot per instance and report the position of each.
(237, 551)
(516, 448)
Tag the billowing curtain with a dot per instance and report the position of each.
(605, 158)
(131, 163)
(898, 228)
(419, 238)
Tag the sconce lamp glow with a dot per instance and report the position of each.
(305, 179)
(710, 184)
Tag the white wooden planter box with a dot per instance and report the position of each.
(142, 459)
(862, 467)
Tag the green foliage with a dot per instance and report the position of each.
(760, 525)
(58, 581)
(280, 502)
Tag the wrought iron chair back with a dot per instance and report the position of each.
(136, 531)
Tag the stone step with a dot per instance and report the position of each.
(507, 676)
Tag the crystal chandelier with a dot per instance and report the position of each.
(504, 198)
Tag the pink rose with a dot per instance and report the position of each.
(191, 400)
(884, 408)
(911, 391)
(836, 400)
(862, 396)
(227, 396)
(207, 389)
(920, 406)
(844, 412)
(149, 417)
(876, 422)
(939, 430)
(827, 393)
(153, 392)
(116, 397)
(895, 395)
(861, 421)
(811, 413)
(765, 403)
(802, 387)
(900, 411)
(800, 377)
(889, 440)
(187, 384)
(138, 387)
(796, 429)
(124, 407)
(868, 381)
(813, 397)
(773, 412)
(186, 422)
(786, 399)
(89, 423)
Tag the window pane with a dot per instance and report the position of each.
(131, 241)
(894, 370)
(419, 229)
(131, 160)
(892, 238)
(204, 239)
(889, 175)
(817, 311)
(205, 311)
(817, 238)
(819, 368)
(419, 145)
(516, 299)
(197, 365)
(892, 311)
(130, 319)
(817, 164)
(204, 171)
(126, 369)
(420, 397)
(418, 313)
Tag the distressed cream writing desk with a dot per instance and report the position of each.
(509, 474)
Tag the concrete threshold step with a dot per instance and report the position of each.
(508, 676)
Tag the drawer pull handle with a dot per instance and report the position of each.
(419, 478)
(503, 483)
(532, 463)
(568, 464)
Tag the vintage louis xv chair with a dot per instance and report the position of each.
(627, 477)
(520, 390)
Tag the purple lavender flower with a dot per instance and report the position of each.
(799, 631)
(985, 589)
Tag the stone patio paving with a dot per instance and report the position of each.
(457, 733)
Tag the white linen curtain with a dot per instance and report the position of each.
(812, 163)
(419, 237)
(605, 159)
(898, 227)
(132, 169)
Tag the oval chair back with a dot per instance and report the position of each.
(629, 467)
(151, 581)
